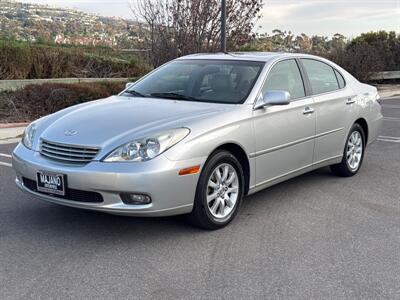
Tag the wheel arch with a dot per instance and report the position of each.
(364, 125)
(242, 157)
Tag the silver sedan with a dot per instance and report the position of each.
(198, 134)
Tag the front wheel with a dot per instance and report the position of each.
(219, 191)
(353, 153)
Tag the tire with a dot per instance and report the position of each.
(225, 197)
(354, 147)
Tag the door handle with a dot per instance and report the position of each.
(308, 110)
(351, 100)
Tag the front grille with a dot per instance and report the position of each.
(68, 153)
(70, 194)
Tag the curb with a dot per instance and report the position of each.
(388, 91)
(10, 134)
(10, 141)
(383, 99)
(389, 96)
(13, 125)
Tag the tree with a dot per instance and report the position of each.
(320, 45)
(175, 28)
(362, 60)
(385, 43)
(303, 43)
(337, 43)
(364, 55)
(278, 39)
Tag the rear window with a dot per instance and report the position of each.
(322, 76)
(341, 81)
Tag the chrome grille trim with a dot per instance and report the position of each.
(63, 153)
(68, 153)
(77, 150)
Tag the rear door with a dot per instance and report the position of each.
(333, 102)
(284, 133)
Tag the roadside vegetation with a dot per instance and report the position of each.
(22, 60)
(362, 56)
(176, 28)
(35, 101)
(168, 29)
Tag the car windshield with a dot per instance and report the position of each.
(219, 81)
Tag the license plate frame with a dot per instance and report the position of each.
(50, 183)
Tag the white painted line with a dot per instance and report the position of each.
(389, 137)
(5, 164)
(391, 119)
(5, 155)
(390, 106)
(389, 141)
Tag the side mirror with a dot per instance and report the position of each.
(273, 98)
(128, 84)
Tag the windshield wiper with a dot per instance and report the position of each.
(135, 93)
(174, 96)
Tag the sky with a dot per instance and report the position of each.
(322, 17)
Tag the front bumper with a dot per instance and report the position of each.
(171, 194)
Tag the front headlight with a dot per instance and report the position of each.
(147, 148)
(29, 135)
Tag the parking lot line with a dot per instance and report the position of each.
(390, 139)
(391, 119)
(390, 106)
(5, 164)
(5, 155)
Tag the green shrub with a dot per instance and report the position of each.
(15, 60)
(21, 60)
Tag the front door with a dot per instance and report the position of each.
(284, 133)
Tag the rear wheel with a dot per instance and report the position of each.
(353, 153)
(219, 191)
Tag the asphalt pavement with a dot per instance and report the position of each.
(313, 237)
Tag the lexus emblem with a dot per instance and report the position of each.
(70, 132)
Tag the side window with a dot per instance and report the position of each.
(322, 76)
(285, 76)
(342, 82)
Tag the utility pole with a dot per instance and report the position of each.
(223, 25)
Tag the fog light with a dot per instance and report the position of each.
(135, 199)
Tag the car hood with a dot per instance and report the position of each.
(120, 119)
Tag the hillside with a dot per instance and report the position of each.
(32, 22)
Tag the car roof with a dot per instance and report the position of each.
(251, 56)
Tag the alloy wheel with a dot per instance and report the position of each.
(354, 150)
(222, 191)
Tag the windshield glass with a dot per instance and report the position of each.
(219, 81)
